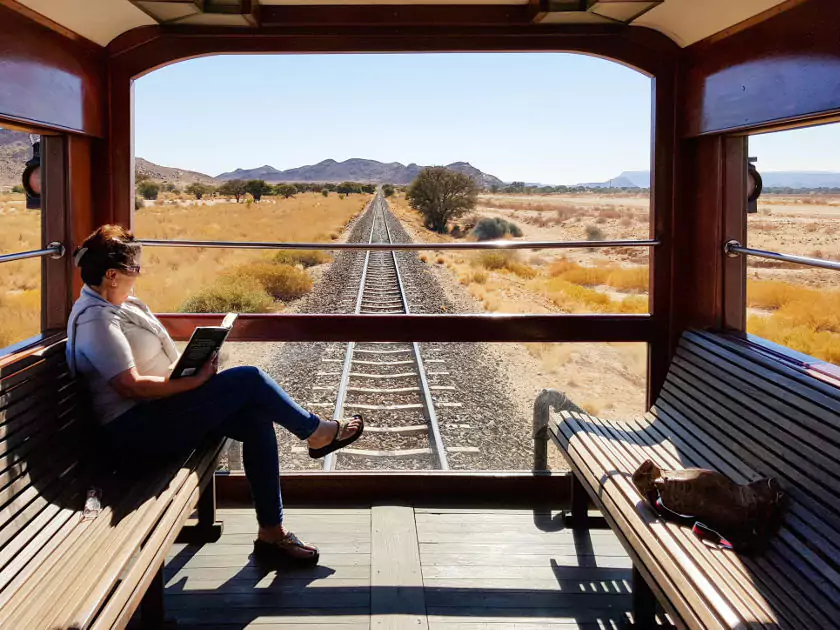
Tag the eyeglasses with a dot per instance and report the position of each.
(133, 270)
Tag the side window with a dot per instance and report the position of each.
(20, 231)
(798, 213)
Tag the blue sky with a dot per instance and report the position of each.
(549, 118)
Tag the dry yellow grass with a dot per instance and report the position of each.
(20, 282)
(802, 318)
(574, 298)
(171, 275)
(626, 279)
(503, 260)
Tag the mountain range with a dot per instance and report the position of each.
(355, 170)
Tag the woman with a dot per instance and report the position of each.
(124, 356)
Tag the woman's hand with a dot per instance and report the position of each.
(210, 369)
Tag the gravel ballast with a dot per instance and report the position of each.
(477, 418)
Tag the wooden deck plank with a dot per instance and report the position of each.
(497, 571)
(397, 595)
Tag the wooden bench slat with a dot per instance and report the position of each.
(700, 557)
(755, 456)
(803, 383)
(772, 578)
(778, 380)
(640, 523)
(154, 555)
(82, 606)
(729, 567)
(95, 549)
(815, 539)
(57, 570)
(758, 461)
(779, 413)
(737, 410)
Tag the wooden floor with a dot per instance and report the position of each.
(404, 567)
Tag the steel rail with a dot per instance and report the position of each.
(53, 250)
(500, 244)
(338, 414)
(734, 249)
(435, 439)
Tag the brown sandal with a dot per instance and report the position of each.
(317, 453)
(281, 552)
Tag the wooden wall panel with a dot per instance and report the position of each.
(48, 80)
(82, 218)
(55, 306)
(781, 70)
(698, 237)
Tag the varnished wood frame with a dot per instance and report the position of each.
(777, 72)
(446, 328)
(538, 491)
(309, 30)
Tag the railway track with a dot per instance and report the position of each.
(387, 382)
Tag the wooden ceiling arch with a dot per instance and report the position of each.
(145, 49)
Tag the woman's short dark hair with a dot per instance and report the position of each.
(108, 247)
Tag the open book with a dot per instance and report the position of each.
(205, 341)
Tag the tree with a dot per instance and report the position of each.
(149, 189)
(199, 190)
(285, 190)
(348, 188)
(233, 188)
(441, 195)
(388, 190)
(325, 192)
(257, 188)
(368, 188)
(515, 187)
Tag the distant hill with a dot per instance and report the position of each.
(803, 180)
(354, 170)
(15, 150)
(800, 179)
(177, 176)
(627, 179)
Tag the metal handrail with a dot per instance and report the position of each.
(403, 246)
(54, 250)
(733, 249)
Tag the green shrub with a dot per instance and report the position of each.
(148, 189)
(490, 228)
(138, 203)
(282, 282)
(304, 257)
(236, 294)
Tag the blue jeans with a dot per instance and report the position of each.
(242, 403)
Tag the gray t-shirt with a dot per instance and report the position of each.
(109, 340)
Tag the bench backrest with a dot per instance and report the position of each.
(770, 420)
(43, 438)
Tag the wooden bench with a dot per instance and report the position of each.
(57, 569)
(729, 407)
